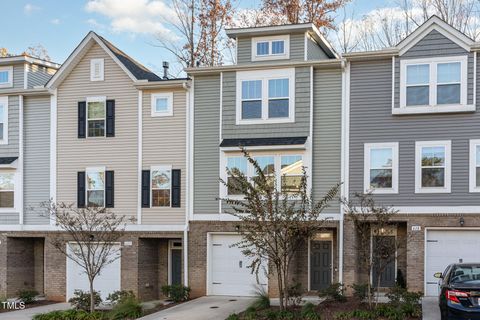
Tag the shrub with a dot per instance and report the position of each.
(309, 313)
(250, 313)
(177, 292)
(285, 315)
(233, 316)
(356, 314)
(335, 291)
(405, 302)
(81, 300)
(360, 291)
(27, 296)
(294, 294)
(126, 308)
(71, 315)
(262, 301)
(119, 296)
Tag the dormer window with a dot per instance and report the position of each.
(434, 85)
(6, 77)
(96, 69)
(270, 48)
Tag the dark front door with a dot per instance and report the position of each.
(320, 264)
(384, 261)
(176, 260)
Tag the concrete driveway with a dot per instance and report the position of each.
(430, 308)
(204, 308)
(27, 314)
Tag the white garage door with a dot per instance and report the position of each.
(105, 283)
(445, 247)
(228, 269)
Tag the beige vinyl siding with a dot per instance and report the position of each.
(164, 143)
(118, 153)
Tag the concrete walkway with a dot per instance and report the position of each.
(27, 314)
(204, 308)
(430, 308)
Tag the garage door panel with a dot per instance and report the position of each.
(228, 269)
(445, 247)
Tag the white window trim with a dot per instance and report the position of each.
(95, 170)
(366, 174)
(160, 168)
(169, 97)
(97, 99)
(277, 159)
(264, 76)
(16, 191)
(433, 107)
(418, 169)
(9, 83)
(473, 167)
(93, 62)
(4, 101)
(270, 56)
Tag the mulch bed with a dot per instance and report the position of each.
(160, 308)
(38, 303)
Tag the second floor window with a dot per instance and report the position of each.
(7, 189)
(475, 165)
(3, 120)
(95, 187)
(96, 115)
(161, 183)
(266, 96)
(432, 167)
(434, 82)
(239, 163)
(381, 167)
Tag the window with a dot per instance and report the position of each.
(381, 167)
(291, 173)
(161, 184)
(162, 104)
(3, 120)
(287, 170)
(434, 82)
(7, 189)
(474, 165)
(6, 77)
(270, 48)
(265, 96)
(96, 116)
(432, 167)
(95, 187)
(96, 70)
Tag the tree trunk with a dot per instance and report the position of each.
(92, 297)
(281, 290)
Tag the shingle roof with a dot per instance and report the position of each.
(262, 142)
(138, 70)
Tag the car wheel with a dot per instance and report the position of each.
(443, 315)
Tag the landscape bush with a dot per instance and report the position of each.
(71, 315)
(334, 292)
(27, 296)
(127, 308)
(81, 300)
(177, 292)
(119, 296)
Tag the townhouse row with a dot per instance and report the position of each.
(102, 129)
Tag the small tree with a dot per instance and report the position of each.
(275, 224)
(91, 239)
(371, 223)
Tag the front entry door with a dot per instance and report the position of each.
(320, 264)
(176, 270)
(385, 261)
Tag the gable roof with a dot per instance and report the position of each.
(135, 70)
(435, 23)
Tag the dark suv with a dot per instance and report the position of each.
(460, 291)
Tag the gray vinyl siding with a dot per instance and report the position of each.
(434, 44)
(297, 49)
(9, 218)
(18, 76)
(314, 52)
(206, 141)
(38, 76)
(327, 127)
(11, 149)
(371, 121)
(36, 158)
(301, 126)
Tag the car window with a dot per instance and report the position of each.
(465, 274)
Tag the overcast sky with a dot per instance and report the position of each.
(59, 25)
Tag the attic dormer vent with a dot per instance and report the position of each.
(96, 69)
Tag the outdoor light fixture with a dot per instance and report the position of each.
(91, 237)
(237, 228)
(462, 221)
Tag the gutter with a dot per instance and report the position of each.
(36, 91)
(386, 53)
(162, 84)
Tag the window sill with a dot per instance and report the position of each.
(434, 109)
(160, 115)
(268, 121)
(381, 191)
(433, 190)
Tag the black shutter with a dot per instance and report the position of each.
(110, 118)
(109, 187)
(176, 183)
(145, 188)
(81, 189)
(82, 119)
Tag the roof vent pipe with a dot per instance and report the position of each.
(165, 69)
